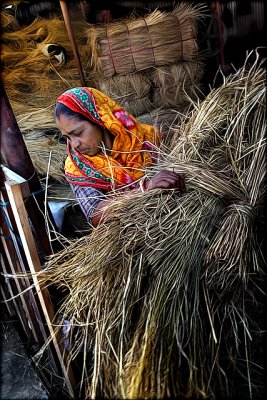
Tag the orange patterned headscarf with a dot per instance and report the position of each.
(134, 147)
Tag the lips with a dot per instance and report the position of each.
(86, 150)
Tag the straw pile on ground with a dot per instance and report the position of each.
(157, 296)
(36, 117)
(47, 153)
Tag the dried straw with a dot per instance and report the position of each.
(132, 91)
(46, 150)
(35, 118)
(163, 120)
(176, 85)
(130, 45)
(139, 287)
(8, 22)
(29, 74)
(236, 134)
(42, 30)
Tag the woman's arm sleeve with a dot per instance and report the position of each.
(88, 199)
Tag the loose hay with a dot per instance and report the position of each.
(36, 118)
(31, 75)
(161, 38)
(8, 22)
(46, 151)
(140, 287)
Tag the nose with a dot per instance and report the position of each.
(75, 142)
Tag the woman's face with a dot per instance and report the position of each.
(84, 137)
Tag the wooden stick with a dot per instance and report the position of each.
(67, 21)
(83, 9)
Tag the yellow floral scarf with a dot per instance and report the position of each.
(134, 147)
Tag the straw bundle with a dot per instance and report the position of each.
(237, 136)
(139, 286)
(176, 85)
(47, 154)
(132, 92)
(131, 45)
(37, 90)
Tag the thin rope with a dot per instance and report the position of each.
(110, 51)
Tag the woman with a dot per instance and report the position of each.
(108, 149)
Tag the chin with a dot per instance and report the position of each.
(90, 153)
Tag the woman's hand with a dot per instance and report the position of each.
(166, 180)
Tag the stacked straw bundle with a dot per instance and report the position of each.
(132, 59)
(176, 84)
(161, 38)
(159, 293)
(131, 91)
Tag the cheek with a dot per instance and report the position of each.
(97, 137)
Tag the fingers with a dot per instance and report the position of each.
(171, 179)
(167, 180)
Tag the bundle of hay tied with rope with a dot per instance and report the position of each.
(158, 296)
(140, 50)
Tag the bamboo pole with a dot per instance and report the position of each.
(65, 13)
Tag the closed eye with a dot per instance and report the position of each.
(76, 133)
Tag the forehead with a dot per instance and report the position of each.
(67, 123)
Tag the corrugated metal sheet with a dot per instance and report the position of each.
(243, 25)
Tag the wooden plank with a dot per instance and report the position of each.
(12, 177)
(26, 236)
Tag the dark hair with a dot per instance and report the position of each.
(62, 109)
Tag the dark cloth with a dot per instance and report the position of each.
(88, 199)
